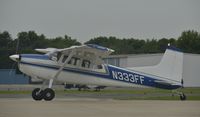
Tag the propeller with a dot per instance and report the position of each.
(15, 57)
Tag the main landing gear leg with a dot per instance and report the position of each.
(181, 94)
(47, 94)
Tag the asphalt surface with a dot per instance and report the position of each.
(92, 107)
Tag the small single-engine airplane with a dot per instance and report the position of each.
(84, 65)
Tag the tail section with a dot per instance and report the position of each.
(170, 66)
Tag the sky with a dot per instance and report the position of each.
(86, 19)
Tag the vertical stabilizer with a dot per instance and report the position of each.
(170, 66)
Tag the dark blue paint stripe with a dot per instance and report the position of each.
(35, 56)
(98, 74)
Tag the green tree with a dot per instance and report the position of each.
(5, 39)
(5, 45)
(189, 41)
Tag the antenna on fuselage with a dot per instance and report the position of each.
(182, 82)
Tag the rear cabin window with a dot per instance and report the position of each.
(99, 67)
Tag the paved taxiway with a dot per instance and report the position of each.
(87, 107)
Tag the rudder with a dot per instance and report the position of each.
(170, 66)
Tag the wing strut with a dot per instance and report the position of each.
(61, 68)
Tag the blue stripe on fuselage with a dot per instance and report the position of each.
(131, 77)
(35, 56)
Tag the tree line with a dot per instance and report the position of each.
(188, 42)
(26, 42)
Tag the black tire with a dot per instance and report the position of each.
(183, 97)
(37, 94)
(49, 94)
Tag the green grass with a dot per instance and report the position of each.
(15, 92)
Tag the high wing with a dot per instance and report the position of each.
(89, 54)
(87, 49)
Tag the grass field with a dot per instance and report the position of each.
(126, 94)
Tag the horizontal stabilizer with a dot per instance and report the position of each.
(162, 82)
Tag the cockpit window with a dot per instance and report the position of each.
(58, 55)
(64, 59)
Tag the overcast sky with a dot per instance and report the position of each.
(86, 19)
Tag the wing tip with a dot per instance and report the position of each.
(170, 47)
(99, 47)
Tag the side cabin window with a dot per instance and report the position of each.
(86, 64)
(99, 66)
(74, 61)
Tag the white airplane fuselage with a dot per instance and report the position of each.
(41, 66)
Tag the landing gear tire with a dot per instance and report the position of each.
(49, 94)
(183, 96)
(37, 94)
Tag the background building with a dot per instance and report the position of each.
(9, 76)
